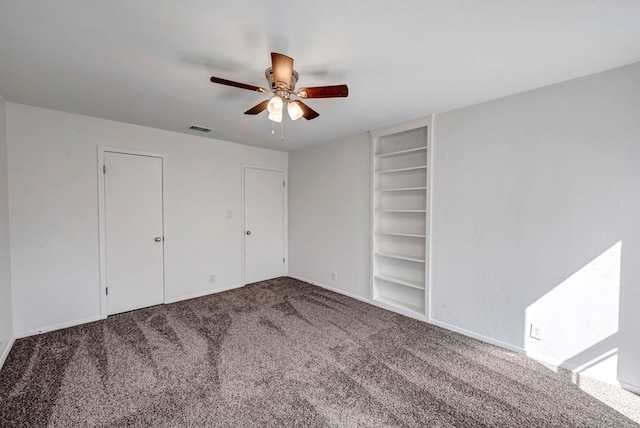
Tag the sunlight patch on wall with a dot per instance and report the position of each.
(578, 319)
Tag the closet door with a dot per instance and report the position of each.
(264, 224)
(134, 231)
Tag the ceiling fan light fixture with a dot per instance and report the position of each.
(275, 106)
(295, 112)
(275, 116)
(282, 79)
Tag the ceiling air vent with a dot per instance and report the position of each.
(199, 129)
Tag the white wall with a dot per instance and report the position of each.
(54, 211)
(6, 313)
(536, 201)
(329, 214)
(536, 208)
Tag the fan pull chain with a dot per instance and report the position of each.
(273, 128)
(282, 131)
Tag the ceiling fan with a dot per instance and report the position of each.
(282, 80)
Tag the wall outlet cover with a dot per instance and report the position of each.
(536, 332)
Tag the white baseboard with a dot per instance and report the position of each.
(577, 370)
(6, 351)
(480, 337)
(202, 294)
(549, 360)
(335, 290)
(631, 388)
(96, 318)
(57, 326)
(545, 359)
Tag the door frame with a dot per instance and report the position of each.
(102, 224)
(285, 218)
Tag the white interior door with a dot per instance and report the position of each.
(134, 231)
(263, 224)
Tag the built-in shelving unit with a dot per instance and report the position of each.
(400, 218)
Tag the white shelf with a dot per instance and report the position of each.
(401, 305)
(400, 248)
(410, 235)
(411, 168)
(402, 211)
(401, 152)
(401, 189)
(400, 281)
(400, 257)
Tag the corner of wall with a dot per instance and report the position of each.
(5, 349)
(329, 200)
(7, 333)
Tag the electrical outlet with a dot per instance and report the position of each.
(536, 332)
(334, 276)
(212, 277)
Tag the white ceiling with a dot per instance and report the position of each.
(149, 62)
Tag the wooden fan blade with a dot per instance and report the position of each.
(307, 112)
(258, 108)
(215, 79)
(282, 67)
(324, 92)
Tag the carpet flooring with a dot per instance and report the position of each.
(281, 353)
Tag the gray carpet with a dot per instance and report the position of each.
(281, 353)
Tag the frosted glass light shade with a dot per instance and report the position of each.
(295, 112)
(276, 116)
(275, 105)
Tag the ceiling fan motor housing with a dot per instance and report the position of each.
(280, 86)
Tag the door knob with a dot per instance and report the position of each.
(157, 239)
(248, 232)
